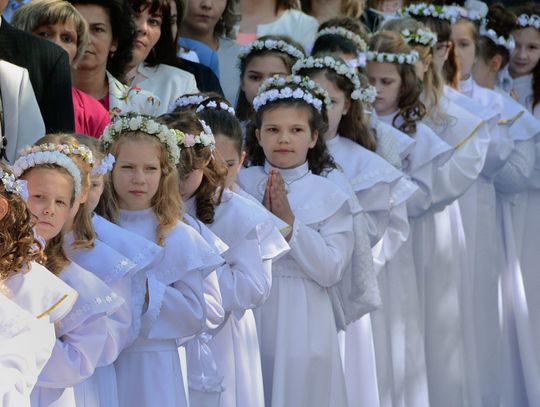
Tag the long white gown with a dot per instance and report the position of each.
(522, 87)
(148, 371)
(296, 325)
(245, 282)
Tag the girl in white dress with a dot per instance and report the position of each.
(296, 325)
(145, 200)
(524, 66)
(27, 331)
(253, 243)
(56, 189)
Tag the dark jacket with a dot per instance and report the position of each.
(49, 73)
(207, 80)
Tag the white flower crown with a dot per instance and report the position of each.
(31, 159)
(204, 139)
(13, 185)
(343, 32)
(476, 10)
(145, 124)
(507, 43)
(277, 88)
(407, 58)
(525, 20)
(423, 37)
(338, 67)
(430, 10)
(368, 94)
(214, 105)
(66, 149)
(191, 100)
(276, 45)
(104, 166)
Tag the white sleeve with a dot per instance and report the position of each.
(215, 314)
(25, 346)
(375, 202)
(323, 251)
(514, 176)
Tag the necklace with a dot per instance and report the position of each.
(288, 183)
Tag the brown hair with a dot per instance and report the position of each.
(166, 203)
(354, 124)
(18, 243)
(83, 230)
(531, 9)
(318, 158)
(244, 110)
(226, 26)
(411, 109)
(208, 195)
(287, 5)
(338, 43)
(349, 8)
(503, 22)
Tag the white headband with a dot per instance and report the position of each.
(214, 105)
(406, 58)
(104, 166)
(525, 20)
(343, 32)
(182, 101)
(271, 45)
(507, 43)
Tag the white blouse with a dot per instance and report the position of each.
(522, 86)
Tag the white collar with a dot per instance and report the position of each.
(466, 87)
(290, 175)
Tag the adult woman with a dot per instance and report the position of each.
(59, 22)
(101, 69)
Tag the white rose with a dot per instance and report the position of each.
(380, 58)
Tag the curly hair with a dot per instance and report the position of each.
(432, 81)
(244, 110)
(226, 26)
(18, 243)
(531, 9)
(83, 230)
(354, 125)
(166, 203)
(333, 43)
(208, 194)
(123, 33)
(319, 159)
(411, 109)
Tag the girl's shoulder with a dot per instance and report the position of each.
(429, 148)
(386, 133)
(41, 293)
(521, 123)
(210, 237)
(96, 299)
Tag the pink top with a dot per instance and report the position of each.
(90, 115)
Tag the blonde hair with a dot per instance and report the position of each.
(166, 203)
(39, 13)
(83, 229)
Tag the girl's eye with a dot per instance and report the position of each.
(298, 130)
(60, 203)
(126, 166)
(387, 82)
(156, 22)
(151, 168)
(254, 78)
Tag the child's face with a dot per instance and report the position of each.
(203, 15)
(387, 80)
(49, 199)
(286, 137)
(527, 52)
(462, 37)
(96, 189)
(227, 150)
(136, 174)
(190, 183)
(259, 69)
(340, 104)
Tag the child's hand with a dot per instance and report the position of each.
(277, 192)
(266, 198)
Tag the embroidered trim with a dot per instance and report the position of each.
(343, 32)
(271, 45)
(53, 307)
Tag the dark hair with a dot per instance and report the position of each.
(354, 124)
(244, 110)
(123, 32)
(531, 9)
(226, 26)
(164, 52)
(503, 22)
(209, 193)
(287, 4)
(222, 122)
(411, 109)
(331, 43)
(318, 158)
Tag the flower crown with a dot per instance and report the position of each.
(368, 94)
(276, 45)
(409, 58)
(525, 20)
(104, 166)
(277, 88)
(13, 185)
(216, 106)
(29, 159)
(507, 43)
(187, 100)
(338, 67)
(343, 32)
(422, 37)
(204, 139)
(134, 122)
(67, 149)
(476, 10)
(429, 10)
